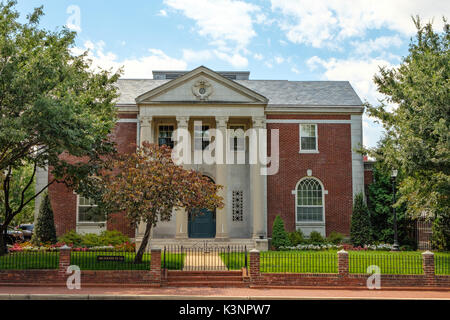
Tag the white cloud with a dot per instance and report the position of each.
(235, 59)
(268, 64)
(360, 73)
(279, 59)
(322, 22)
(376, 45)
(140, 67)
(295, 70)
(258, 56)
(228, 24)
(162, 13)
(196, 56)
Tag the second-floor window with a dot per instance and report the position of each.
(308, 137)
(202, 138)
(237, 138)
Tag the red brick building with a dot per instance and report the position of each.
(319, 125)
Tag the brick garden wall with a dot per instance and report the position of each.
(154, 276)
(343, 278)
(332, 166)
(151, 277)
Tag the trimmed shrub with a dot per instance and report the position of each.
(45, 231)
(106, 238)
(316, 238)
(335, 238)
(360, 230)
(296, 237)
(279, 235)
(113, 238)
(72, 238)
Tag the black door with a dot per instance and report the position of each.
(202, 224)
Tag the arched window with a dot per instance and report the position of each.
(310, 201)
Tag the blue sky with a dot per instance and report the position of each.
(273, 39)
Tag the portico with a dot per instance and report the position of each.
(222, 105)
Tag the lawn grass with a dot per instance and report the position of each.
(174, 261)
(88, 261)
(286, 261)
(85, 260)
(326, 262)
(442, 263)
(29, 260)
(388, 262)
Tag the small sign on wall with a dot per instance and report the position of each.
(111, 258)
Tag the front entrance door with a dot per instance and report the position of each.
(202, 224)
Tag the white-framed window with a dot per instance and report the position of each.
(309, 201)
(237, 137)
(87, 211)
(308, 138)
(165, 135)
(202, 138)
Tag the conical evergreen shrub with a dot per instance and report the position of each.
(44, 231)
(360, 230)
(279, 235)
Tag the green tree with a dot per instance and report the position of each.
(379, 201)
(418, 129)
(19, 179)
(148, 185)
(45, 231)
(54, 111)
(360, 224)
(279, 235)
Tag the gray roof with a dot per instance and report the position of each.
(279, 92)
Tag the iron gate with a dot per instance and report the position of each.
(205, 257)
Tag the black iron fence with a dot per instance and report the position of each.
(442, 264)
(205, 257)
(298, 262)
(385, 263)
(37, 259)
(107, 259)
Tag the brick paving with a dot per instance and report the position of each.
(8, 292)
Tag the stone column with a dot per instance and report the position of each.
(181, 216)
(257, 188)
(221, 179)
(146, 134)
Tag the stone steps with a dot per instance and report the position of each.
(211, 279)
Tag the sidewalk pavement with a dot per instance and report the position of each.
(108, 293)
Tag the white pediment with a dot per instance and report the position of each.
(201, 85)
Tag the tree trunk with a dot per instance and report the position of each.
(141, 251)
(3, 248)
